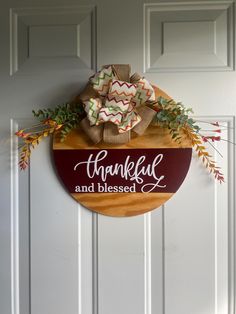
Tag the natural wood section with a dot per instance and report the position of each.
(154, 137)
(123, 204)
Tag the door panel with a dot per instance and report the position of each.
(58, 257)
(198, 271)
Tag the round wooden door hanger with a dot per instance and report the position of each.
(122, 179)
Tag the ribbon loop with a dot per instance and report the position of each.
(144, 93)
(92, 107)
(122, 90)
(101, 80)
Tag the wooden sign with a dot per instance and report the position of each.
(122, 180)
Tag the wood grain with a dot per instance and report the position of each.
(154, 137)
(122, 204)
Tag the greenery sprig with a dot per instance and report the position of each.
(67, 116)
(63, 118)
(175, 117)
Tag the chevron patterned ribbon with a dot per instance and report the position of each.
(118, 101)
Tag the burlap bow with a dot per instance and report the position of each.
(113, 103)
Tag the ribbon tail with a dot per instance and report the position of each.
(95, 133)
(147, 114)
(112, 136)
(122, 71)
(135, 78)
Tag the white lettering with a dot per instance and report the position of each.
(130, 170)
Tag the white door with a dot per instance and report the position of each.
(58, 257)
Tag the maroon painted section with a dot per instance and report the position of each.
(123, 170)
